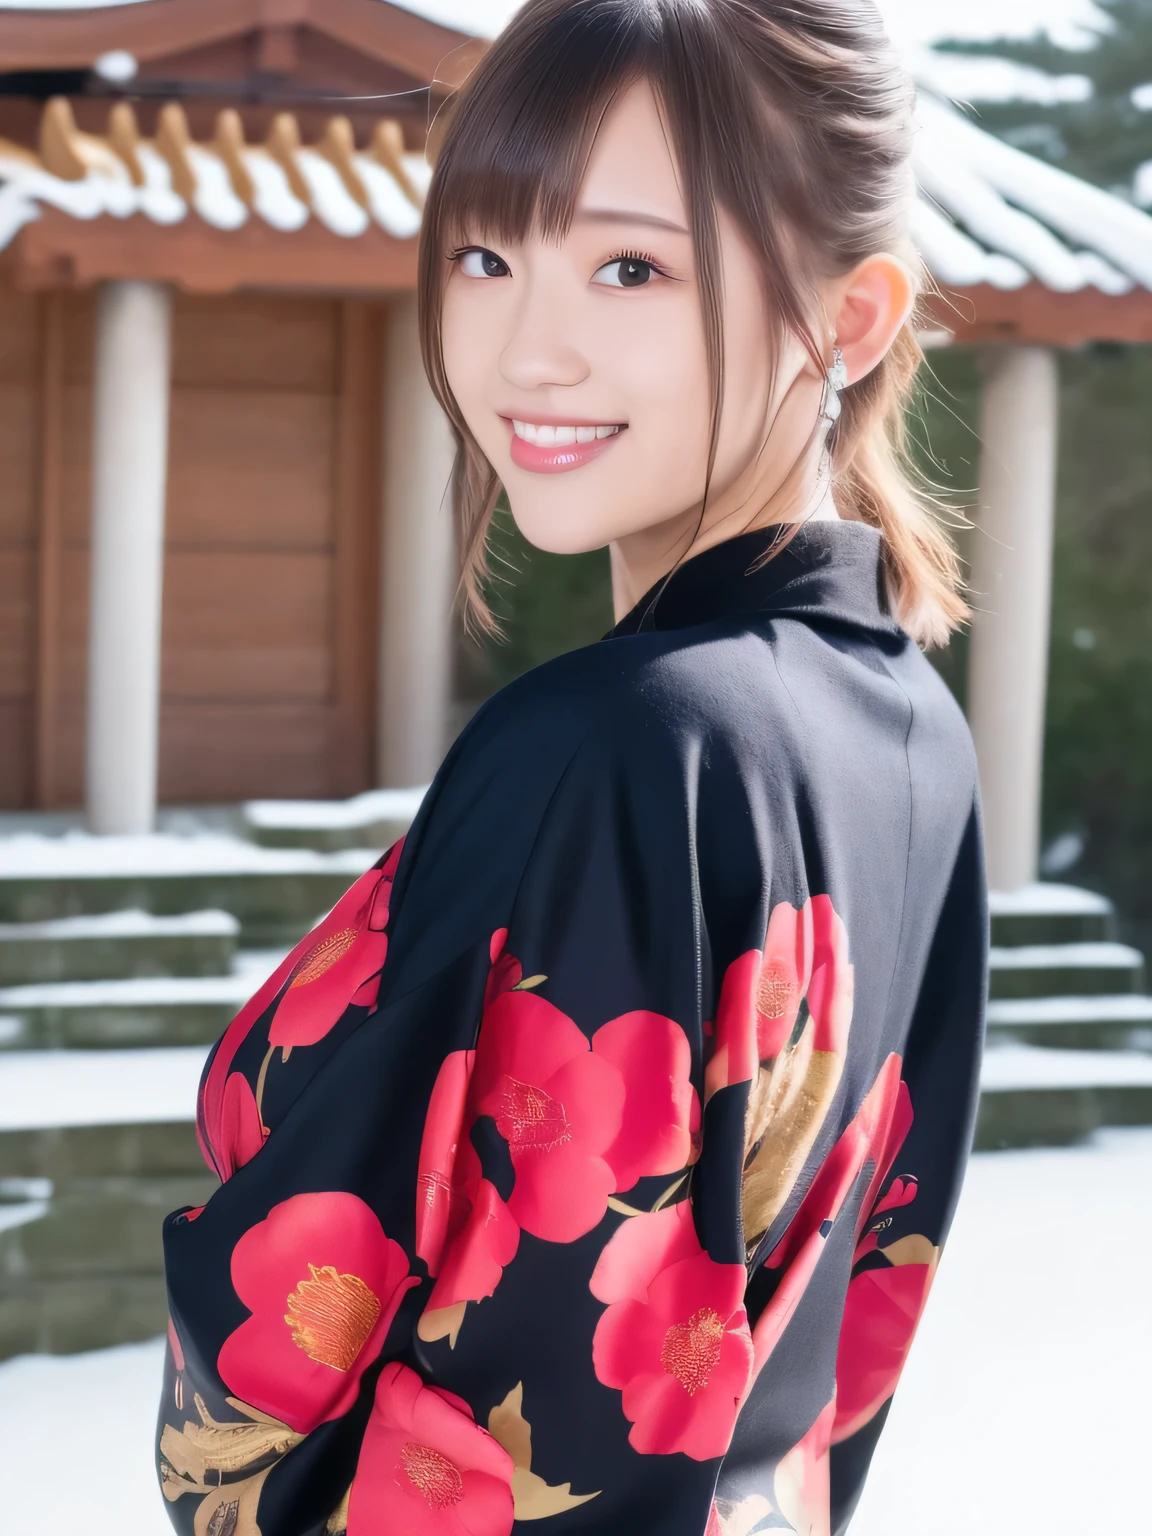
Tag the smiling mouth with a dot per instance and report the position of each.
(542, 436)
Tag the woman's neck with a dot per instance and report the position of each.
(641, 559)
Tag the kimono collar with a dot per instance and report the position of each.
(830, 570)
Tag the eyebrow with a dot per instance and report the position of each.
(627, 216)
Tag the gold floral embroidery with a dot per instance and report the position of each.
(533, 1498)
(691, 1350)
(740, 1518)
(197, 1459)
(777, 991)
(225, 1518)
(323, 956)
(337, 1524)
(531, 1119)
(434, 1183)
(432, 1474)
(442, 1323)
(222, 1448)
(331, 1316)
(786, 1108)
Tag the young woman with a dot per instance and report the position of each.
(590, 1163)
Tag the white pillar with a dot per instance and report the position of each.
(419, 564)
(1012, 583)
(129, 472)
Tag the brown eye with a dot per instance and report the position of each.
(625, 272)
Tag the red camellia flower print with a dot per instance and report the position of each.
(505, 971)
(439, 1150)
(881, 1313)
(674, 1340)
(426, 1467)
(241, 1132)
(341, 965)
(802, 1480)
(804, 960)
(458, 1211)
(875, 1133)
(314, 999)
(582, 1121)
(322, 1283)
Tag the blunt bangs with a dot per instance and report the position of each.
(793, 117)
(518, 151)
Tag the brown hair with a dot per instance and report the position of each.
(796, 116)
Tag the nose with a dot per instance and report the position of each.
(541, 348)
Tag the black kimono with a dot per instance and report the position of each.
(589, 1164)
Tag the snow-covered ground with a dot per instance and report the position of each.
(152, 1086)
(373, 806)
(77, 855)
(1022, 1410)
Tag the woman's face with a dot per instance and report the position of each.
(581, 369)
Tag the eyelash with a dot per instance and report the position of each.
(636, 256)
(629, 255)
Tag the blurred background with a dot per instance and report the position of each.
(229, 663)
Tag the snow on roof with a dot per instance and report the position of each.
(283, 183)
(986, 212)
(989, 213)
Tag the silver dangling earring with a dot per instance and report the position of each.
(835, 380)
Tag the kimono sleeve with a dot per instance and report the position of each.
(588, 1294)
(904, 1230)
(454, 1235)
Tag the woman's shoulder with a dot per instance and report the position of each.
(590, 745)
(633, 703)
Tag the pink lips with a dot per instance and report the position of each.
(557, 461)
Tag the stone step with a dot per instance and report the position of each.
(275, 894)
(1121, 1022)
(87, 1114)
(142, 1011)
(84, 1267)
(69, 1316)
(372, 820)
(1048, 913)
(53, 1154)
(103, 1226)
(115, 945)
(1056, 970)
(1033, 1097)
(96, 1147)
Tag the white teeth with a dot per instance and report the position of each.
(559, 437)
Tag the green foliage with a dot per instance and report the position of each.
(1098, 745)
(546, 604)
(1102, 138)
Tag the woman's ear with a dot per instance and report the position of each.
(869, 309)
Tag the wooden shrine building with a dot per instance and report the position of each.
(225, 550)
(209, 370)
